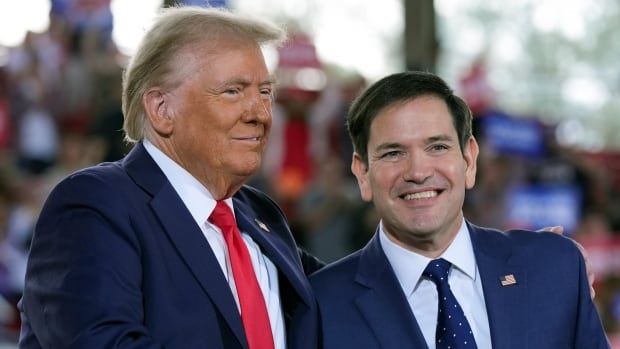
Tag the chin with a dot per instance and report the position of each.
(248, 173)
(420, 231)
(247, 164)
(248, 170)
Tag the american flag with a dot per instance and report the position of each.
(508, 280)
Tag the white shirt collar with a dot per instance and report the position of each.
(194, 195)
(409, 266)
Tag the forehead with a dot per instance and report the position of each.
(421, 116)
(223, 59)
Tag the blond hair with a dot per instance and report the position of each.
(175, 29)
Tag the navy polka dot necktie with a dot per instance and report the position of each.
(453, 331)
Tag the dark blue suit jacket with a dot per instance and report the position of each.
(117, 261)
(362, 304)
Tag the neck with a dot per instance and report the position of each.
(220, 185)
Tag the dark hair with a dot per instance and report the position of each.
(400, 88)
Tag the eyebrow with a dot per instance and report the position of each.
(386, 146)
(439, 138)
(270, 80)
(245, 82)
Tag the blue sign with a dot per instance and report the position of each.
(509, 135)
(204, 3)
(85, 14)
(539, 206)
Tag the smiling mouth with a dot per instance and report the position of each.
(421, 195)
(251, 139)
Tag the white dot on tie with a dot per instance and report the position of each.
(449, 316)
(469, 332)
(441, 279)
(444, 329)
(439, 341)
(454, 335)
(465, 342)
(444, 298)
(460, 324)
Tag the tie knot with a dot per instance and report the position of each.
(222, 216)
(437, 270)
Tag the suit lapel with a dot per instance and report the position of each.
(506, 304)
(282, 256)
(383, 304)
(185, 235)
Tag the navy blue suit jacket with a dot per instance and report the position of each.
(363, 306)
(117, 261)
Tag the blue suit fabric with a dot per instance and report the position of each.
(362, 304)
(117, 261)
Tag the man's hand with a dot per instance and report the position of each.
(560, 230)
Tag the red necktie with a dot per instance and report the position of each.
(253, 309)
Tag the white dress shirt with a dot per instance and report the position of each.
(421, 292)
(200, 204)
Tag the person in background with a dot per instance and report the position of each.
(12, 260)
(429, 278)
(167, 247)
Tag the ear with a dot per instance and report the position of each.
(158, 111)
(470, 154)
(360, 170)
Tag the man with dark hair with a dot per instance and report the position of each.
(428, 278)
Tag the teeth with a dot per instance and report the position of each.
(422, 195)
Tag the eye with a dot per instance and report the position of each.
(391, 154)
(232, 91)
(438, 147)
(266, 93)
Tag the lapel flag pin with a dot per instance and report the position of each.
(261, 225)
(508, 280)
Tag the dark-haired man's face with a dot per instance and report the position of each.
(416, 174)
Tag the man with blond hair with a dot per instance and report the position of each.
(167, 247)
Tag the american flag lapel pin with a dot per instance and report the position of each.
(261, 225)
(508, 280)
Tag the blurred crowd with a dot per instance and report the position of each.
(60, 110)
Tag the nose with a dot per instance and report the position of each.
(418, 168)
(257, 108)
